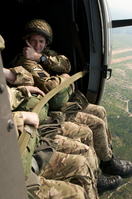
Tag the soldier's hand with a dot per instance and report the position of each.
(34, 89)
(31, 118)
(30, 53)
(72, 84)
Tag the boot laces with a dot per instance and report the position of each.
(106, 181)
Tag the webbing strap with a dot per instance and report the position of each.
(23, 142)
(24, 138)
(54, 91)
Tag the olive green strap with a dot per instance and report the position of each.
(54, 91)
(24, 138)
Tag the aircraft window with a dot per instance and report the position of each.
(117, 98)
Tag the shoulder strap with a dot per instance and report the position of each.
(25, 136)
(54, 91)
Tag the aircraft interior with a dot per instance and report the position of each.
(79, 32)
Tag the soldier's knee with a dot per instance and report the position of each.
(101, 112)
(75, 191)
(81, 193)
(80, 161)
(99, 125)
(88, 138)
(86, 130)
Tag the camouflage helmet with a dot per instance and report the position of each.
(39, 26)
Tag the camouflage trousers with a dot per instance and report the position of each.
(95, 118)
(70, 142)
(56, 189)
(74, 169)
(85, 174)
(100, 112)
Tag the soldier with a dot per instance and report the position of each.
(48, 188)
(80, 169)
(38, 59)
(65, 167)
(65, 144)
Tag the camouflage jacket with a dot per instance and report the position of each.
(56, 64)
(17, 95)
(23, 77)
(41, 77)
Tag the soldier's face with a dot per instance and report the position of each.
(38, 42)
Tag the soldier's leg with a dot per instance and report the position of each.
(54, 189)
(100, 112)
(79, 132)
(69, 167)
(100, 138)
(69, 146)
(97, 110)
(109, 164)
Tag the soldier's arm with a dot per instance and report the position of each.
(9, 75)
(18, 76)
(34, 89)
(23, 117)
(32, 66)
(67, 76)
(56, 62)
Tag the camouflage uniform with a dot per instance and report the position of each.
(71, 168)
(55, 189)
(66, 167)
(52, 188)
(95, 118)
(69, 146)
(100, 112)
(55, 64)
(23, 77)
(70, 135)
(101, 136)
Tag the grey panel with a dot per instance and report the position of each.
(12, 183)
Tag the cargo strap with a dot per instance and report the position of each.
(25, 136)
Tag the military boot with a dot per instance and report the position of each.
(116, 167)
(108, 184)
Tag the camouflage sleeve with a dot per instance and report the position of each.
(17, 95)
(56, 62)
(18, 120)
(32, 67)
(24, 91)
(23, 77)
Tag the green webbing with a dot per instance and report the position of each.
(24, 138)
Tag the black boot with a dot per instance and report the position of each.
(116, 167)
(108, 184)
